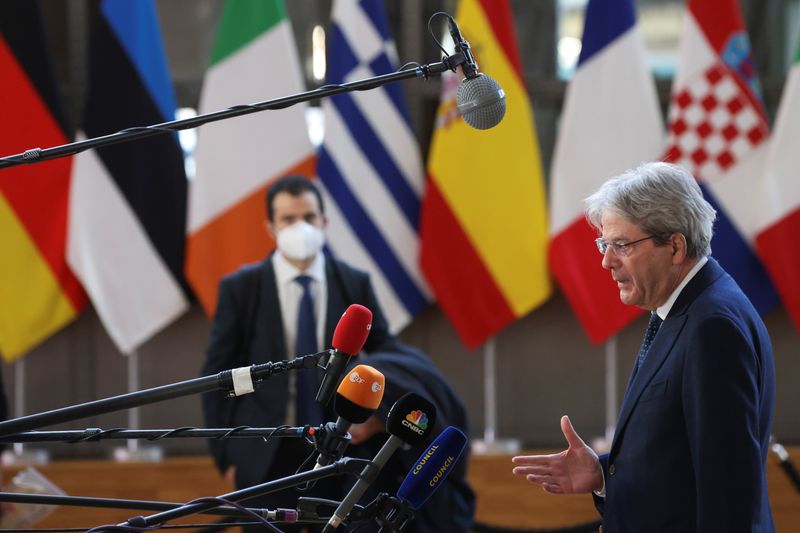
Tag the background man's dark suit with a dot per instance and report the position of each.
(693, 432)
(248, 329)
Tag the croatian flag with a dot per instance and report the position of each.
(718, 130)
(610, 123)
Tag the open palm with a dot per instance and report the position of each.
(575, 470)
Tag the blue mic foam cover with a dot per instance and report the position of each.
(433, 466)
(411, 418)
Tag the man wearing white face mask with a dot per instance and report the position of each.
(287, 305)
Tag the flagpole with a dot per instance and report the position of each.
(133, 386)
(132, 451)
(490, 444)
(19, 399)
(20, 454)
(490, 392)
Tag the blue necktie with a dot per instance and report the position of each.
(650, 332)
(308, 411)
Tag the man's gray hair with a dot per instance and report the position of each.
(660, 198)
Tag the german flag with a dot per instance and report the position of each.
(38, 292)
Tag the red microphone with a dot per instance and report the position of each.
(348, 338)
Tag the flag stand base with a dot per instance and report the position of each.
(25, 456)
(138, 454)
(495, 446)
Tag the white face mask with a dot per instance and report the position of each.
(300, 241)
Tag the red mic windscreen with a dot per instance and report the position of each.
(352, 330)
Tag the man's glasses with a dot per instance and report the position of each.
(621, 249)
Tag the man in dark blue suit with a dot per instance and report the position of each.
(690, 446)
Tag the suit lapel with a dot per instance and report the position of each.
(656, 356)
(336, 299)
(269, 315)
(663, 343)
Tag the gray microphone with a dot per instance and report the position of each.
(480, 100)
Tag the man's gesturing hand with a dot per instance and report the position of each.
(575, 470)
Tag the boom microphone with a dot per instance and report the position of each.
(348, 338)
(410, 420)
(358, 396)
(428, 473)
(480, 99)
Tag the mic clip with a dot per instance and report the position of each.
(330, 444)
(460, 59)
(391, 513)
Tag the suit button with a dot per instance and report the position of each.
(612, 469)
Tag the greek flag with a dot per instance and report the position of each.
(370, 165)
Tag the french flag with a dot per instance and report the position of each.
(610, 123)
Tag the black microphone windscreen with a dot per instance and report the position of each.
(481, 102)
(411, 418)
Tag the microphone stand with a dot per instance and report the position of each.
(118, 503)
(36, 155)
(346, 465)
(225, 381)
(97, 434)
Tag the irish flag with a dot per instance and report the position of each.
(38, 291)
(777, 240)
(484, 221)
(254, 59)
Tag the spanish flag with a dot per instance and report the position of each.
(38, 292)
(484, 218)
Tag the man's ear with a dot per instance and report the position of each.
(679, 249)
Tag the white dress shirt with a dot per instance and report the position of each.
(289, 294)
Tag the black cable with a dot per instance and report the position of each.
(430, 20)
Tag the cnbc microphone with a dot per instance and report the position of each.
(358, 396)
(480, 100)
(410, 420)
(348, 338)
(428, 473)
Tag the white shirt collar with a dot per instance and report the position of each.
(285, 272)
(663, 310)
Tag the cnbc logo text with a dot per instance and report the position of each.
(416, 421)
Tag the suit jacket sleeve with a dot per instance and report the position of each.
(600, 503)
(721, 392)
(223, 353)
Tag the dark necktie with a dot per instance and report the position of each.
(308, 411)
(650, 332)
